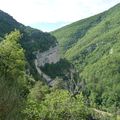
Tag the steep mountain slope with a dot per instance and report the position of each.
(32, 40)
(21, 98)
(30, 35)
(7, 23)
(92, 45)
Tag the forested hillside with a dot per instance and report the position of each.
(92, 45)
(86, 80)
(32, 39)
(22, 96)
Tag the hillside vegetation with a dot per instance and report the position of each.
(22, 96)
(87, 84)
(31, 40)
(92, 45)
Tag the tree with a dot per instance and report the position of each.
(38, 92)
(57, 105)
(12, 76)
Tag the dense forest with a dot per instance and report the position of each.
(86, 79)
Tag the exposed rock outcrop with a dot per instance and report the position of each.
(45, 77)
(49, 56)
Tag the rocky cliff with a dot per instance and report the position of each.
(50, 56)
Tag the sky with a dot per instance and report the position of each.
(48, 15)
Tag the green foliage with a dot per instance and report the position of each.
(38, 92)
(58, 105)
(12, 77)
(11, 56)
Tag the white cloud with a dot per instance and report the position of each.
(52, 11)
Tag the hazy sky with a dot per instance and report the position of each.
(50, 14)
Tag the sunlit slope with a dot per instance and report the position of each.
(71, 34)
(95, 51)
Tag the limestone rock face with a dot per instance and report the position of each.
(49, 56)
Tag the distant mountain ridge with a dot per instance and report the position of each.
(70, 34)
